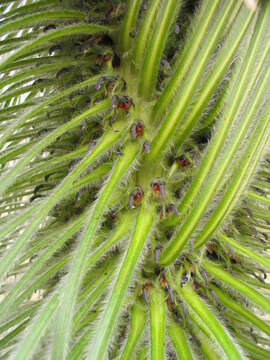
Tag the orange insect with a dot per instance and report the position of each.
(182, 161)
(135, 197)
(146, 292)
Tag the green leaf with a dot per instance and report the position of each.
(41, 107)
(11, 297)
(224, 340)
(128, 24)
(161, 30)
(42, 70)
(254, 148)
(245, 81)
(53, 35)
(201, 23)
(256, 351)
(107, 324)
(240, 310)
(224, 58)
(29, 343)
(45, 206)
(7, 96)
(181, 101)
(78, 349)
(125, 223)
(144, 32)
(242, 174)
(245, 251)
(260, 198)
(28, 8)
(39, 18)
(79, 264)
(18, 220)
(137, 325)
(99, 289)
(244, 289)
(10, 178)
(142, 353)
(157, 324)
(9, 338)
(179, 341)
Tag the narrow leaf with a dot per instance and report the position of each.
(137, 325)
(226, 343)
(29, 343)
(10, 177)
(240, 286)
(245, 251)
(240, 310)
(179, 341)
(157, 324)
(144, 31)
(201, 23)
(38, 18)
(105, 328)
(53, 35)
(129, 23)
(150, 66)
(78, 269)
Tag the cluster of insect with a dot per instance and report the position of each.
(165, 209)
(187, 272)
